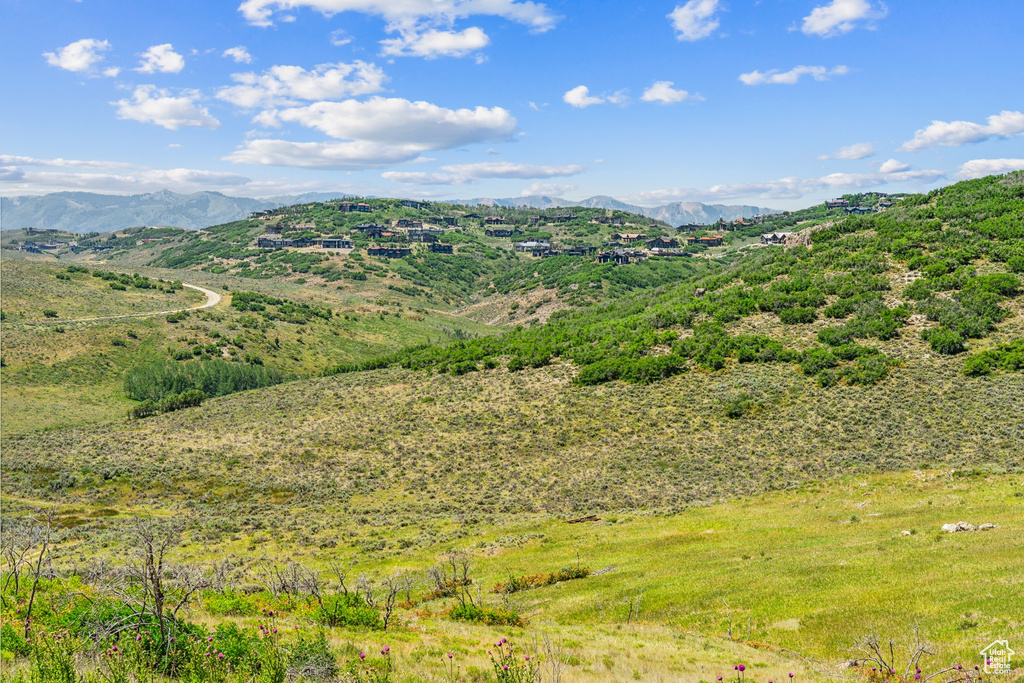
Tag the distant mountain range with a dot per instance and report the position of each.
(88, 212)
(676, 213)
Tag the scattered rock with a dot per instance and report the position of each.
(964, 526)
(904, 533)
(700, 292)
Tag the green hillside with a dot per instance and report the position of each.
(746, 454)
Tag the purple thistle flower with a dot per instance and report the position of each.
(138, 638)
(742, 668)
(790, 674)
(505, 667)
(449, 655)
(719, 678)
(220, 655)
(362, 655)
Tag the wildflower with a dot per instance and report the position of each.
(917, 677)
(790, 674)
(449, 655)
(210, 639)
(220, 656)
(171, 640)
(138, 638)
(275, 629)
(387, 648)
(114, 648)
(528, 659)
(207, 654)
(505, 667)
(362, 655)
(742, 668)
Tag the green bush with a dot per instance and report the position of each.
(795, 316)
(160, 380)
(943, 340)
(490, 617)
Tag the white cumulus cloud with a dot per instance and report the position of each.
(399, 121)
(13, 160)
(893, 166)
(433, 43)
(162, 59)
(979, 168)
(375, 132)
(580, 97)
(694, 20)
(861, 150)
(150, 104)
(239, 54)
(78, 56)
(1005, 124)
(323, 155)
(841, 16)
(404, 12)
(791, 187)
(791, 77)
(282, 85)
(505, 169)
(663, 92)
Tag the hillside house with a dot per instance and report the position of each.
(662, 243)
(885, 204)
(534, 220)
(546, 253)
(629, 237)
(306, 226)
(275, 229)
(837, 204)
(388, 251)
(691, 227)
(444, 220)
(33, 248)
(618, 257)
(707, 240)
(102, 247)
(412, 204)
(564, 218)
(438, 248)
(363, 207)
(336, 243)
(494, 220)
(371, 230)
(531, 245)
(858, 210)
(501, 232)
(579, 250)
(274, 242)
(408, 223)
(775, 237)
(346, 207)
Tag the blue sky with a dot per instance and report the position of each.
(777, 103)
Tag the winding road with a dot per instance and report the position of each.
(212, 299)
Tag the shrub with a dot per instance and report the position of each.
(795, 316)
(49, 313)
(217, 377)
(944, 340)
(490, 617)
(346, 609)
(311, 658)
